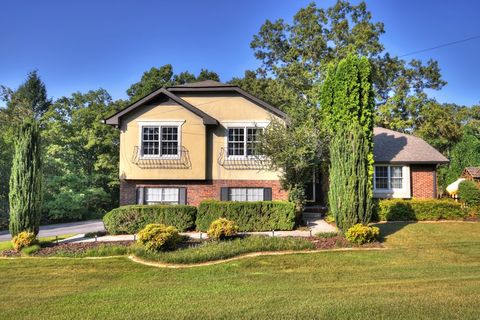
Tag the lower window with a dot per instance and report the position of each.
(161, 195)
(245, 194)
(388, 177)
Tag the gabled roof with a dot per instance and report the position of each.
(204, 84)
(474, 172)
(396, 147)
(114, 119)
(201, 86)
(215, 86)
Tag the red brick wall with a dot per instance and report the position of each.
(424, 181)
(197, 191)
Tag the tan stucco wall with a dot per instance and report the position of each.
(192, 138)
(203, 143)
(227, 109)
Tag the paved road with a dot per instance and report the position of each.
(63, 228)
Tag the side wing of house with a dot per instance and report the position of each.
(185, 145)
(405, 166)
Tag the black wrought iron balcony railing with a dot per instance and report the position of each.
(179, 161)
(242, 162)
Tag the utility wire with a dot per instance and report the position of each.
(440, 46)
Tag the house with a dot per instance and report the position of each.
(472, 173)
(188, 143)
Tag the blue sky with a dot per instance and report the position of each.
(83, 45)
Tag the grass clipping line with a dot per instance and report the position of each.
(243, 256)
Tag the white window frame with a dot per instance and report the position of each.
(261, 191)
(163, 193)
(391, 192)
(245, 125)
(160, 124)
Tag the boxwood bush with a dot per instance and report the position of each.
(248, 216)
(133, 218)
(419, 209)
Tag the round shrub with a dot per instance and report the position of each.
(221, 229)
(159, 237)
(360, 234)
(469, 193)
(23, 239)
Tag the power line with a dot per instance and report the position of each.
(440, 46)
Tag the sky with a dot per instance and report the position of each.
(85, 45)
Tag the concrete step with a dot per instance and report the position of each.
(315, 208)
(312, 215)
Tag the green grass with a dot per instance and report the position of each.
(431, 271)
(7, 245)
(218, 250)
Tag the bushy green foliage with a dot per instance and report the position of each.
(249, 216)
(23, 239)
(26, 180)
(419, 209)
(159, 237)
(131, 219)
(218, 250)
(221, 229)
(350, 194)
(347, 102)
(469, 193)
(361, 234)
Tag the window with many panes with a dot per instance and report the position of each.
(245, 194)
(160, 141)
(243, 141)
(161, 195)
(388, 177)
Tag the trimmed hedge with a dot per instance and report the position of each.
(248, 216)
(133, 218)
(419, 209)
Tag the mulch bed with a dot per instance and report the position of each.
(338, 242)
(79, 248)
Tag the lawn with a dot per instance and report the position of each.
(430, 271)
(5, 245)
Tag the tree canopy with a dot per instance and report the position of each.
(156, 78)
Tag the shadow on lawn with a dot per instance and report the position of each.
(389, 228)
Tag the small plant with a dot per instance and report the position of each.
(361, 234)
(221, 229)
(31, 249)
(159, 237)
(23, 239)
(327, 235)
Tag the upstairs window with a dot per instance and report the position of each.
(160, 141)
(388, 177)
(243, 142)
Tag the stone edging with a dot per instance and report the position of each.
(244, 256)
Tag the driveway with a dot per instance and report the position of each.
(63, 228)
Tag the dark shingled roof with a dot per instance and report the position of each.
(474, 172)
(396, 147)
(205, 83)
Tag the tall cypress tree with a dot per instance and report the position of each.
(26, 180)
(347, 101)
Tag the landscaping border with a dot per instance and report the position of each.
(240, 257)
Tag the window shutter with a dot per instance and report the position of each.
(140, 195)
(224, 194)
(182, 195)
(267, 194)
